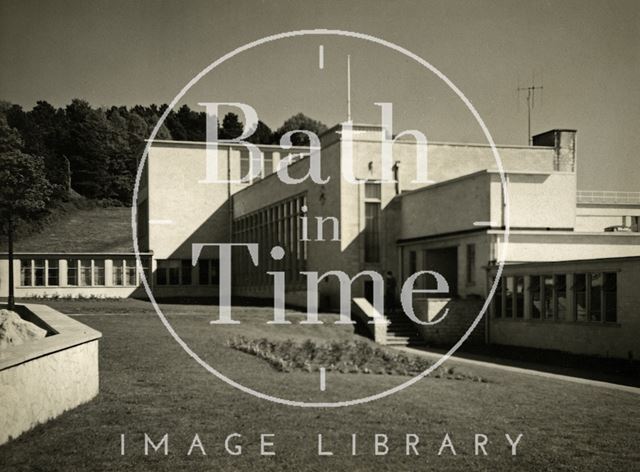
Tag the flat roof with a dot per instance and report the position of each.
(571, 261)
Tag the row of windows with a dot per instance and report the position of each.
(589, 297)
(280, 225)
(179, 272)
(79, 272)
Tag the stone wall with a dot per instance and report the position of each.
(43, 379)
(447, 332)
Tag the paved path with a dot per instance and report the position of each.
(520, 370)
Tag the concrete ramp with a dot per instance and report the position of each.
(364, 314)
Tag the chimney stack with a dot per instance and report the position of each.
(564, 142)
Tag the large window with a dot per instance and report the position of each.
(39, 272)
(560, 301)
(580, 296)
(593, 296)
(185, 271)
(98, 272)
(610, 294)
(25, 272)
(168, 272)
(535, 291)
(117, 272)
(53, 271)
(596, 296)
(85, 272)
(508, 299)
(519, 296)
(176, 271)
(372, 232)
(278, 224)
(208, 272)
(372, 209)
(124, 272)
(72, 271)
(497, 300)
(547, 297)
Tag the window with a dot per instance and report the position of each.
(471, 264)
(130, 272)
(215, 273)
(508, 299)
(497, 299)
(186, 271)
(280, 224)
(595, 297)
(580, 294)
(25, 272)
(98, 272)
(85, 272)
(560, 303)
(208, 272)
(536, 297)
(168, 272)
(38, 272)
(72, 272)
(174, 273)
(124, 272)
(372, 232)
(117, 272)
(53, 270)
(547, 297)
(203, 271)
(372, 208)
(372, 190)
(610, 289)
(519, 297)
(161, 274)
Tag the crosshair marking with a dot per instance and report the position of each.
(321, 56)
(323, 379)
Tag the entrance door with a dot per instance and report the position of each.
(445, 262)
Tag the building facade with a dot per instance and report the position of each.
(453, 222)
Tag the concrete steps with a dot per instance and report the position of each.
(401, 331)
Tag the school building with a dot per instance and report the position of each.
(455, 225)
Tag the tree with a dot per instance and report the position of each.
(301, 122)
(88, 147)
(231, 127)
(262, 134)
(24, 193)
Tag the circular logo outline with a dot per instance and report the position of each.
(320, 32)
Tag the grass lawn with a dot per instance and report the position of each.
(150, 385)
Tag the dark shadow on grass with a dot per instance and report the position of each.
(618, 371)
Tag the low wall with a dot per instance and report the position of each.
(363, 314)
(589, 338)
(42, 379)
(458, 320)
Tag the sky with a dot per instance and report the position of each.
(585, 55)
